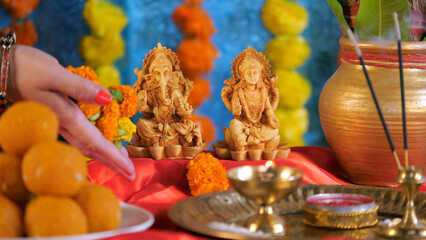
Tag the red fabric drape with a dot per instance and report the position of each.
(161, 183)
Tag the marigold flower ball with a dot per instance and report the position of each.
(195, 56)
(294, 123)
(26, 31)
(109, 75)
(287, 51)
(193, 21)
(101, 51)
(101, 207)
(199, 93)
(11, 183)
(11, 225)
(284, 17)
(294, 89)
(104, 18)
(25, 124)
(54, 168)
(20, 9)
(205, 174)
(54, 216)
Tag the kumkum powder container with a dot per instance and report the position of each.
(340, 211)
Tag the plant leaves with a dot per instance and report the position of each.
(374, 20)
(338, 12)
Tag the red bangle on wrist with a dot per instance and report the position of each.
(6, 41)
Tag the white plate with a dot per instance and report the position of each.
(134, 219)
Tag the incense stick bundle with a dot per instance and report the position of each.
(376, 102)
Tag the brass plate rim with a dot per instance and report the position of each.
(175, 213)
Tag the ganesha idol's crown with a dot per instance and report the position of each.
(160, 51)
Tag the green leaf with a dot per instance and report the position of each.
(118, 143)
(374, 20)
(337, 9)
(121, 132)
(117, 95)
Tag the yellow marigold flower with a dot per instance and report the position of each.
(101, 51)
(104, 18)
(89, 110)
(294, 123)
(130, 100)
(284, 17)
(287, 51)
(109, 75)
(206, 174)
(126, 125)
(108, 123)
(294, 89)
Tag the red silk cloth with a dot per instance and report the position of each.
(161, 183)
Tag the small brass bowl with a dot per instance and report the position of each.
(340, 211)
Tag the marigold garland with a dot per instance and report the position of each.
(287, 51)
(112, 120)
(193, 21)
(24, 28)
(20, 8)
(105, 45)
(206, 174)
(196, 54)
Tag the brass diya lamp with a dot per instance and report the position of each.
(266, 185)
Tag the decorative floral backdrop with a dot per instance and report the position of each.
(60, 26)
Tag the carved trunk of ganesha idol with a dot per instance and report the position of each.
(252, 98)
(166, 130)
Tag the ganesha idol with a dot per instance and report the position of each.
(252, 98)
(165, 130)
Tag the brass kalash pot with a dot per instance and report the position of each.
(349, 118)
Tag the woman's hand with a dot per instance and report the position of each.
(35, 75)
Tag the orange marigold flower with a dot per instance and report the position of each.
(193, 1)
(206, 174)
(20, 8)
(196, 57)
(108, 123)
(88, 109)
(199, 93)
(26, 32)
(193, 21)
(130, 100)
(85, 72)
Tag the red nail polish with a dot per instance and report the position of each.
(103, 97)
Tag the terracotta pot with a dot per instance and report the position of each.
(349, 118)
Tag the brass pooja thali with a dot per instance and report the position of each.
(222, 214)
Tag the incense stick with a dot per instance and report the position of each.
(376, 102)
(401, 77)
